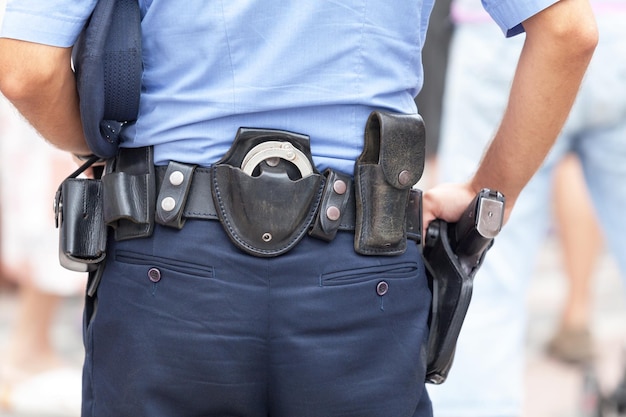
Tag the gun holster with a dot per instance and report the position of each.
(451, 288)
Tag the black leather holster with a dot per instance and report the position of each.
(78, 215)
(391, 163)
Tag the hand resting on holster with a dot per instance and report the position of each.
(453, 252)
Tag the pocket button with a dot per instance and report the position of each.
(154, 274)
(381, 288)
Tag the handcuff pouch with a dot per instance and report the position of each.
(267, 208)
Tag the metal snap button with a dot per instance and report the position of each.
(340, 187)
(404, 177)
(168, 204)
(333, 213)
(154, 274)
(177, 178)
(381, 288)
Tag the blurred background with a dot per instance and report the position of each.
(555, 388)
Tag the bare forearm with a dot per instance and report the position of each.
(549, 73)
(39, 82)
(560, 41)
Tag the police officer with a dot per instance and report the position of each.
(202, 320)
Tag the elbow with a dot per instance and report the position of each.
(590, 38)
(568, 28)
(579, 39)
(28, 70)
(21, 84)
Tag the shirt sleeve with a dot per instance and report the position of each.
(509, 14)
(49, 22)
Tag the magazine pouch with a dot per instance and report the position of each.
(129, 188)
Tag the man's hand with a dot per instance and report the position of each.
(449, 201)
(446, 202)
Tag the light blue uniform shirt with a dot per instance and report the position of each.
(312, 67)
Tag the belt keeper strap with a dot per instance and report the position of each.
(333, 206)
(173, 195)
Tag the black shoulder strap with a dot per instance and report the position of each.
(108, 67)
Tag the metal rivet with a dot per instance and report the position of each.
(340, 187)
(168, 204)
(382, 288)
(404, 177)
(289, 153)
(154, 274)
(177, 178)
(333, 213)
(266, 237)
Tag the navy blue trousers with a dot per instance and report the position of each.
(184, 324)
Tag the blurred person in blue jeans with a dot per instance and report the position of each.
(581, 241)
(487, 377)
(187, 323)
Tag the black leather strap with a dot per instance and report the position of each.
(173, 194)
(200, 203)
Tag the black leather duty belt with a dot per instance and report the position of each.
(184, 192)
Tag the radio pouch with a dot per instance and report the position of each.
(392, 162)
(78, 215)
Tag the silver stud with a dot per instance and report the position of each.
(404, 177)
(168, 204)
(267, 237)
(333, 213)
(176, 178)
(340, 187)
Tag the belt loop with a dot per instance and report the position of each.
(173, 194)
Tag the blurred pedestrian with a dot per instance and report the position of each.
(581, 241)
